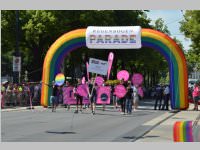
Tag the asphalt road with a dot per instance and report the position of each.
(42, 125)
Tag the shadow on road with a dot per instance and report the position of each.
(150, 136)
(59, 132)
(132, 115)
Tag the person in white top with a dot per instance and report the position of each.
(135, 97)
(166, 98)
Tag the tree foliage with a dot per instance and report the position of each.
(40, 28)
(190, 26)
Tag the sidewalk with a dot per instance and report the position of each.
(164, 131)
(19, 108)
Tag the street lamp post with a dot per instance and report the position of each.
(16, 54)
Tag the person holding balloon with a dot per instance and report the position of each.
(196, 95)
(54, 97)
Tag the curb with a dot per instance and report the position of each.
(20, 108)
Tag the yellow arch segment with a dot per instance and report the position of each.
(51, 52)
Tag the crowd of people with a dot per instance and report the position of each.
(23, 94)
(29, 93)
(125, 104)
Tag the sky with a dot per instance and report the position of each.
(171, 19)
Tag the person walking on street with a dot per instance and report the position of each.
(93, 95)
(196, 95)
(79, 98)
(14, 95)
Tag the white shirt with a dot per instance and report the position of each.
(166, 91)
(135, 91)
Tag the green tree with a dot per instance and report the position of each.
(190, 26)
(40, 28)
(160, 26)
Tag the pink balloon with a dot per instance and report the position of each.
(99, 80)
(120, 91)
(137, 79)
(123, 74)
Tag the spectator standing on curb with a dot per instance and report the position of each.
(129, 99)
(159, 93)
(166, 98)
(196, 95)
(9, 94)
(135, 97)
(14, 95)
(20, 98)
(3, 92)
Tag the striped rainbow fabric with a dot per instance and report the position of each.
(182, 131)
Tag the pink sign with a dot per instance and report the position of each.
(68, 95)
(120, 91)
(82, 90)
(140, 91)
(103, 95)
(99, 80)
(110, 61)
(137, 79)
(123, 74)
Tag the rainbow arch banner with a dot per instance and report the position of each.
(150, 38)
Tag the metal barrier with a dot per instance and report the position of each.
(24, 98)
(15, 99)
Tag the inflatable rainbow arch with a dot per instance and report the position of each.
(150, 38)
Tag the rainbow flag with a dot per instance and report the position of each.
(183, 131)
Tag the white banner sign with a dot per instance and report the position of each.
(98, 66)
(125, 37)
(16, 64)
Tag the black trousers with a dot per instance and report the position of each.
(79, 99)
(123, 102)
(158, 98)
(166, 102)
